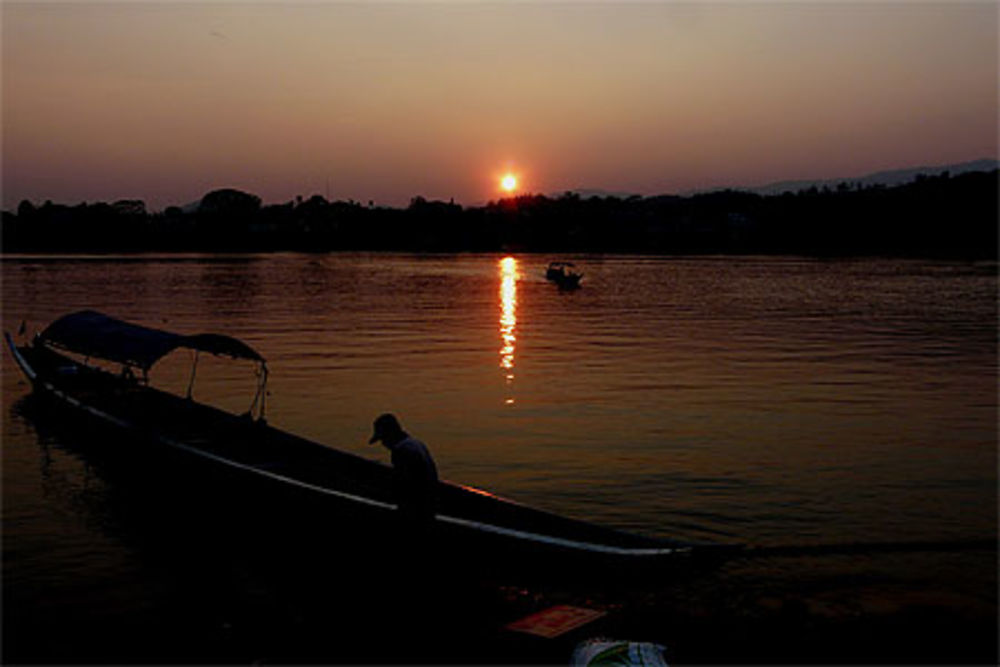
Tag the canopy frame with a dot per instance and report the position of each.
(93, 334)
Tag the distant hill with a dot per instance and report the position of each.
(887, 178)
(893, 177)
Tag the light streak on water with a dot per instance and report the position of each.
(508, 319)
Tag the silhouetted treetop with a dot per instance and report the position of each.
(228, 201)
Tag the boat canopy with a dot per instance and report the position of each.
(94, 334)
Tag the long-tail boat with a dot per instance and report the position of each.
(59, 363)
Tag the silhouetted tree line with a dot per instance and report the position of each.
(932, 216)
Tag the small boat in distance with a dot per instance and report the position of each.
(564, 275)
(245, 449)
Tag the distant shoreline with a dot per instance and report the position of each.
(932, 216)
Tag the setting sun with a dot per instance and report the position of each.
(508, 183)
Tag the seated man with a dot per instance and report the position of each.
(415, 479)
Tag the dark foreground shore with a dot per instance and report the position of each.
(801, 611)
(207, 580)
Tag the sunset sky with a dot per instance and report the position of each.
(366, 101)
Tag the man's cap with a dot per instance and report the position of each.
(384, 425)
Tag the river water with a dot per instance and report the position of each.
(765, 401)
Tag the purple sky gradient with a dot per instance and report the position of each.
(164, 102)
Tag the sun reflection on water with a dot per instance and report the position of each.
(508, 319)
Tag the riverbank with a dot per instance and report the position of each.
(933, 216)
